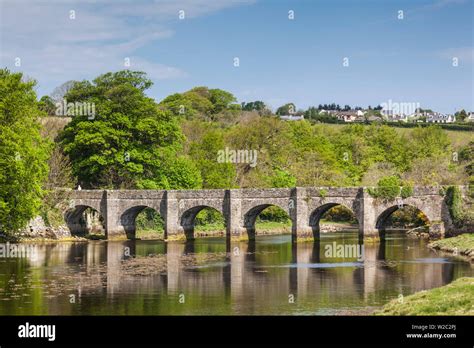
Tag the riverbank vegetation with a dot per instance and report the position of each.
(456, 298)
(459, 245)
(134, 142)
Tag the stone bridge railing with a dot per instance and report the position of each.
(240, 208)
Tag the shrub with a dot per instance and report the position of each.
(454, 203)
(391, 187)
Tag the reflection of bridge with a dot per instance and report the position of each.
(240, 208)
(240, 282)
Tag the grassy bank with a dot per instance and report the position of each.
(215, 229)
(460, 245)
(456, 298)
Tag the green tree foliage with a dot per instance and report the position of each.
(466, 156)
(340, 213)
(23, 153)
(47, 105)
(391, 187)
(257, 105)
(205, 154)
(273, 213)
(202, 103)
(287, 109)
(407, 216)
(454, 203)
(461, 115)
(281, 178)
(428, 142)
(129, 143)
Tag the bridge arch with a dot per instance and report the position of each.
(188, 219)
(250, 217)
(81, 224)
(317, 214)
(383, 217)
(129, 216)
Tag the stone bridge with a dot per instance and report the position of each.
(240, 208)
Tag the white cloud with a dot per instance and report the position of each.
(55, 48)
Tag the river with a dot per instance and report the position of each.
(271, 276)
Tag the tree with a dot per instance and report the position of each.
(59, 92)
(129, 143)
(205, 152)
(23, 153)
(201, 102)
(287, 109)
(429, 142)
(257, 105)
(461, 115)
(47, 105)
(222, 100)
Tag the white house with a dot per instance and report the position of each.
(350, 116)
(437, 117)
(291, 118)
(398, 118)
(470, 117)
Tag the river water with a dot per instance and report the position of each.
(270, 276)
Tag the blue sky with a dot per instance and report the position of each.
(281, 60)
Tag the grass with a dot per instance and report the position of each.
(260, 226)
(456, 298)
(462, 244)
(458, 138)
(150, 234)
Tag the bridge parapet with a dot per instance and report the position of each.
(198, 194)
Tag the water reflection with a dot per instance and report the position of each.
(267, 276)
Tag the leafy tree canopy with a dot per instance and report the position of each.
(129, 142)
(200, 102)
(287, 109)
(23, 153)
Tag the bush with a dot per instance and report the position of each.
(208, 216)
(273, 214)
(471, 186)
(391, 187)
(406, 191)
(454, 203)
(340, 213)
(149, 219)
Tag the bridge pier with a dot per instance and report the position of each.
(235, 230)
(299, 213)
(114, 229)
(367, 218)
(173, 229)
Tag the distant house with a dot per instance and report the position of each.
(470, 117)
(350, 116)
(398, 118)
(392, 116)
(437, 117)
(374, 118)
(291, 118)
